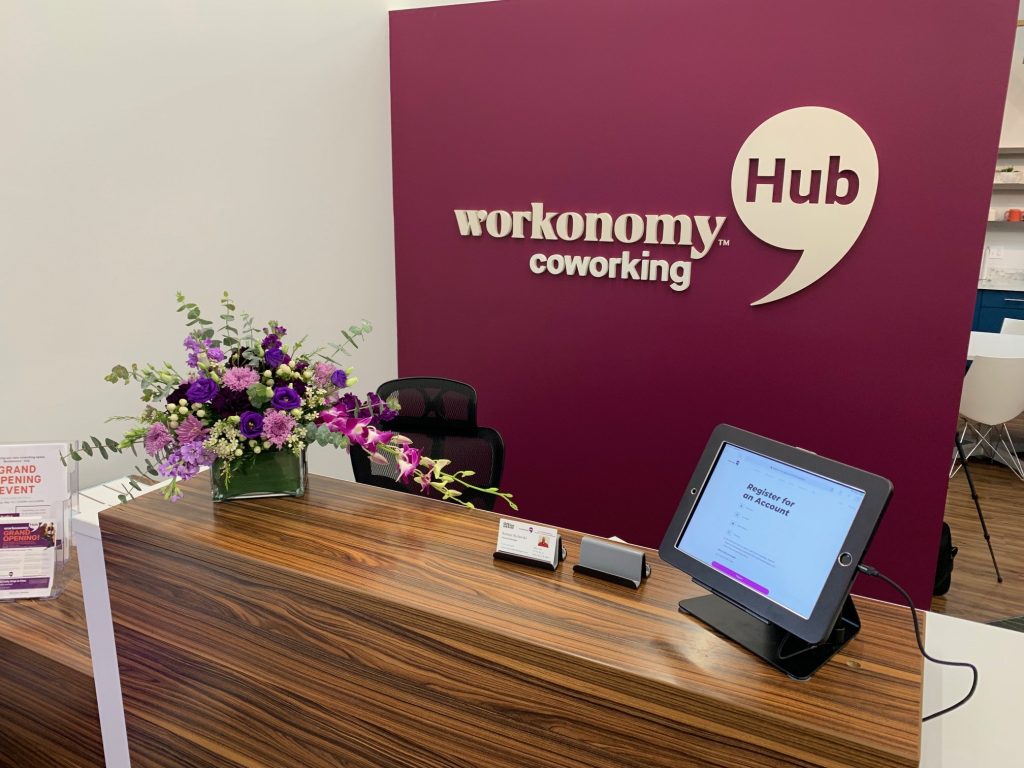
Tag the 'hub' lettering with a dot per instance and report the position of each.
(799, 190)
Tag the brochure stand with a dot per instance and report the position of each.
(38, 497)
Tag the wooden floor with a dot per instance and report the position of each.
(975, 594)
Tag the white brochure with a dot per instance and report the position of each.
(34, 495)
(28, 547)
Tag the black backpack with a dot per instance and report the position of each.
(944, 568)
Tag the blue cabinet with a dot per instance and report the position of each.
(992, 306)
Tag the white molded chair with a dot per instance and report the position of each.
(993, 394)
(1012, 325)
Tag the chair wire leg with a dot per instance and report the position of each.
(1000, 447)
(977, 505)
(980, 439)
(1013, 460)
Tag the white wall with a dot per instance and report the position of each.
(149, 146)
(1012, 134)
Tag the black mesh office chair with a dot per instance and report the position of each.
(439, 416)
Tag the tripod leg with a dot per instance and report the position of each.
(977, 505)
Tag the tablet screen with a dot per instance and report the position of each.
(771, 527)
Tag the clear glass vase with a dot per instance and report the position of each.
(270, 473)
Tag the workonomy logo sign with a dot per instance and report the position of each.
(804, 180)
(697, 233)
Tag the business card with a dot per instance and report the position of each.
(528, 540)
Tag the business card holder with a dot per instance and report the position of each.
(613, 562)
(498, 555)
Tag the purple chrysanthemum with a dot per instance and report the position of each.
(239, 379)
(157, 438)
(191, 429)
(322, 373)
(277, 427)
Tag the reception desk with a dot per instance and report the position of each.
(362, 627)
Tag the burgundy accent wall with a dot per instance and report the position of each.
(605, 391)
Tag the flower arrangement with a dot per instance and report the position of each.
(246, 391)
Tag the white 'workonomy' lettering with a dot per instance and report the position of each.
(651, 228)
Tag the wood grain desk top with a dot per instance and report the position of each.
(53, 629)
(46, 683)
(432, 562)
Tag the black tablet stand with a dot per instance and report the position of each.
(783, 650)
(531, 561)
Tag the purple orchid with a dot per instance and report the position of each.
(352, 428)
(408, 459)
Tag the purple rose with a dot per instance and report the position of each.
(339, 378)
(178, 393)
(228, 403)
(285, 399)
(251, 425)
(201, 391)
(275, 357)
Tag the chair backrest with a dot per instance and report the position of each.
(428, 403)
(1012, 325)
(439, 416)
(993, 390)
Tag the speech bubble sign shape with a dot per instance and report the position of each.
(805, 180)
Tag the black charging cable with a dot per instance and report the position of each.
(917, 633)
